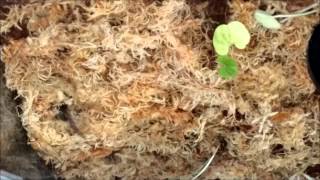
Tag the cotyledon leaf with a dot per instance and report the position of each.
(221, 40)
(226, 35)
(266, 20)
(240, 35)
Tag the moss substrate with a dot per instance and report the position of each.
(125, 89)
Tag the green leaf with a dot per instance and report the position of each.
(228, 67)
(226, 35)
(266, 20)
(222, 40)
(240, 36)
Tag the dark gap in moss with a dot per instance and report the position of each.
(15, 33)
(224, 113)
(63, 112)
(278, 150)
(307, 142)
(263, 6)
(313, 171)
(198, 110)
(223, 144)
(239, 116)
(117, 178)
(87, 3)
(112, 159)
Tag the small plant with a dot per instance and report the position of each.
(271, 21)
(226, 35)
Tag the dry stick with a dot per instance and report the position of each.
(308, 7)
(206, 165)
(314, 5)
(295, 14)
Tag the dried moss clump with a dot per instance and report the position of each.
(122, 89)
(110, 87)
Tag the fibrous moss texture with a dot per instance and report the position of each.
(127, 89)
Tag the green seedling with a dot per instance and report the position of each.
(228, 67)
(226, 35)
(271, 21)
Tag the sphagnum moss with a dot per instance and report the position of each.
(144, 104)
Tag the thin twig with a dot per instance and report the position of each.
(295, 15)
(314, 5)
(205, 167)
(310, 7)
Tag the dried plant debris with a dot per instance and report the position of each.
(122, 89)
